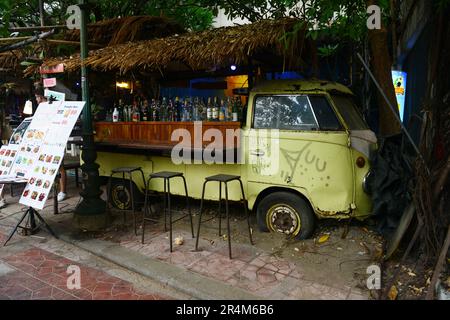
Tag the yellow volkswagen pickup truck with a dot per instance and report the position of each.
(303, 154)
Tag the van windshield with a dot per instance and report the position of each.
(349, 112)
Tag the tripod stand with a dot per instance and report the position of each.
(31, 212)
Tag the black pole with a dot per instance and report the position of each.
(90, 212)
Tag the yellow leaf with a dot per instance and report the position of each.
(323, 238)
(393, 293)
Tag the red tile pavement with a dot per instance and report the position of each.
(250, 269)
(43, 275)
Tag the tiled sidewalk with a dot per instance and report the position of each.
(271, 269)
(37, 274)
(250, 269)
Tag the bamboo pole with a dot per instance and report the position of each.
(74, 43)
(36, 28)
(14, 39)
(26, 42)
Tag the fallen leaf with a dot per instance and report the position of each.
(416, 290)
(365, 229)
(179, 241)
(378, 253)
(411, 274)
(323, 238)
(393, 293)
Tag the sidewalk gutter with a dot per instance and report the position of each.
(190, 283)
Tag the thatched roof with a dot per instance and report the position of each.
(196, 50)
(103, 33)
(121, 30)
(10, 60)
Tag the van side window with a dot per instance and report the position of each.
(284, 112)
(349, 111)
(324, 113)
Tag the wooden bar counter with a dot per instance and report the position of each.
(155, 137)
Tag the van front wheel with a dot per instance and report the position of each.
(120, 197)
(286, 213)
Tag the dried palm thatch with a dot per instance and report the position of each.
(121, 30)
(198, 50)
(10, 61)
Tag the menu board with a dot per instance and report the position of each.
(42, 177)
(42, 149)
(8, 154)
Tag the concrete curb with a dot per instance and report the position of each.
(190, 283)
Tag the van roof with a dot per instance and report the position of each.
(300, 85)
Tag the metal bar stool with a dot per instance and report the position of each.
(126, 171)
(223, 178)
(166, 175)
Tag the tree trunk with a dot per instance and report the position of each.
(381, 66)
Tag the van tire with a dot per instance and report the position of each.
(120, 194)
(295, 216)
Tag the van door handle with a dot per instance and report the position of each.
(257, 153)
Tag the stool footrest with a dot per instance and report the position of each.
(180, 218)
(125, 169)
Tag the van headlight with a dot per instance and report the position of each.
(367, 182)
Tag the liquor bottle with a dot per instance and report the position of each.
(203, 115)
(222, 111)
(174, 116)
(145, 111)
(178, 109)
(183, 111)
(188, 109)
(235, 110)
(195, 110)
(120, 109)
(135, 114)
(215, 112)
(229, 109)
(154, 110)
(163, 109)
(108, 117)
(115, 115)
(209, 110)
(124, 114)
(129, 113)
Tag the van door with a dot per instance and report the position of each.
(297, 141)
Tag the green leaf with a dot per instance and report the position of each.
(27, 63)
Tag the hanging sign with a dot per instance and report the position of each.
(59, 68)
(399, 80)
(59, 96)
(49, 82)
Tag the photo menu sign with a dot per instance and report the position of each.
(42, 149)
(8, 154)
